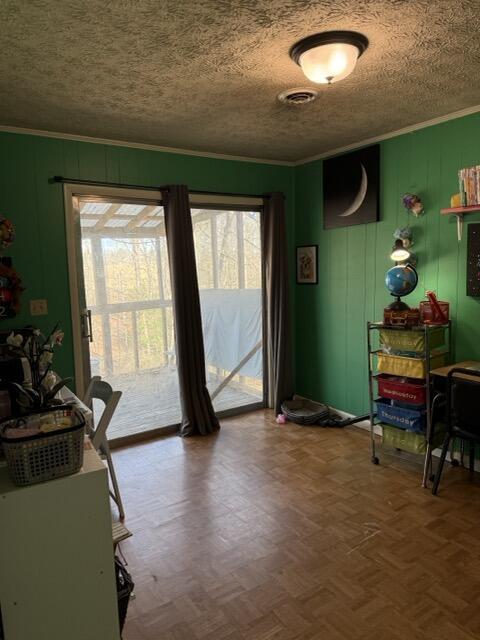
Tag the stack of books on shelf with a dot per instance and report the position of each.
(469, 186)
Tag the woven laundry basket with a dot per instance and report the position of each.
(44, 456)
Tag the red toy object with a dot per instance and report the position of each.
(402, 318)
(10, 289)
(5, 295)
(434, 311)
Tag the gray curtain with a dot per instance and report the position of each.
(278, 356)
(198, 416)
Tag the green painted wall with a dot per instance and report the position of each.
(36, 207)
(331, 317)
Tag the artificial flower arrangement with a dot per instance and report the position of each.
(39, 351)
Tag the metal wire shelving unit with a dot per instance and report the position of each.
(427, 354)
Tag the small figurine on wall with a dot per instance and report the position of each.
(7, 232)
(10, 289)
(10, 282)
(413, 203)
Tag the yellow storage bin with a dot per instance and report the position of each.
(413, 341)
(409, 441)
(407, 367)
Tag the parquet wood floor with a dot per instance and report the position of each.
(267, 532)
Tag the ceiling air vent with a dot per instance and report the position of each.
(297, 96)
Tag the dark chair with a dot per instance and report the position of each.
(462, 415)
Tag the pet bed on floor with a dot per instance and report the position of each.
(303, 411)
(309, 413)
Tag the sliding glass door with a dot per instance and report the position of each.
(122, 311)
(128, 303)
(229, 267)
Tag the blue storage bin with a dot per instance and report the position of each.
(411, 419)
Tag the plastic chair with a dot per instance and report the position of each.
(462, 415)
(101, 390)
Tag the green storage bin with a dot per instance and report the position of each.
(410, 340)
(409, 441)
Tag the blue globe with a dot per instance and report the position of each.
(401, 280)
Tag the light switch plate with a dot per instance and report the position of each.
(38, 307)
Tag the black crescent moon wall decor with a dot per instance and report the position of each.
(351, 188)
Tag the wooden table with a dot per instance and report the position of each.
(442, 372)
(439, 380)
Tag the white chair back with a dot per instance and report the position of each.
(98, 389)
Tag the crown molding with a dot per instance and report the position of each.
(391, 134)
(222, 156)
(139, 145)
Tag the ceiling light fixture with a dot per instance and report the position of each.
(330, 56)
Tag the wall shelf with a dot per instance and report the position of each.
(459, 212)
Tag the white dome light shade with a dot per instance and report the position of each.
(399, 255)
(329, 62)
(399, 252)
(329, 57)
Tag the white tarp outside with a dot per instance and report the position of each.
(232, 326)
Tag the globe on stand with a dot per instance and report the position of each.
(400, 281)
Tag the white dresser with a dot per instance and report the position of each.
(57, 577)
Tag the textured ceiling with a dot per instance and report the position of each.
(204, 74)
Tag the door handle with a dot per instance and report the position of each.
(88, 333)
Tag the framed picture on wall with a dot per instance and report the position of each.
(351, 188)
(307, 264)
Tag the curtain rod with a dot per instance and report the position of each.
(121, 185)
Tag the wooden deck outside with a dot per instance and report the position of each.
(150, 400)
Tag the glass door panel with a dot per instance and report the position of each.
(229, 267)
(127, 289)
